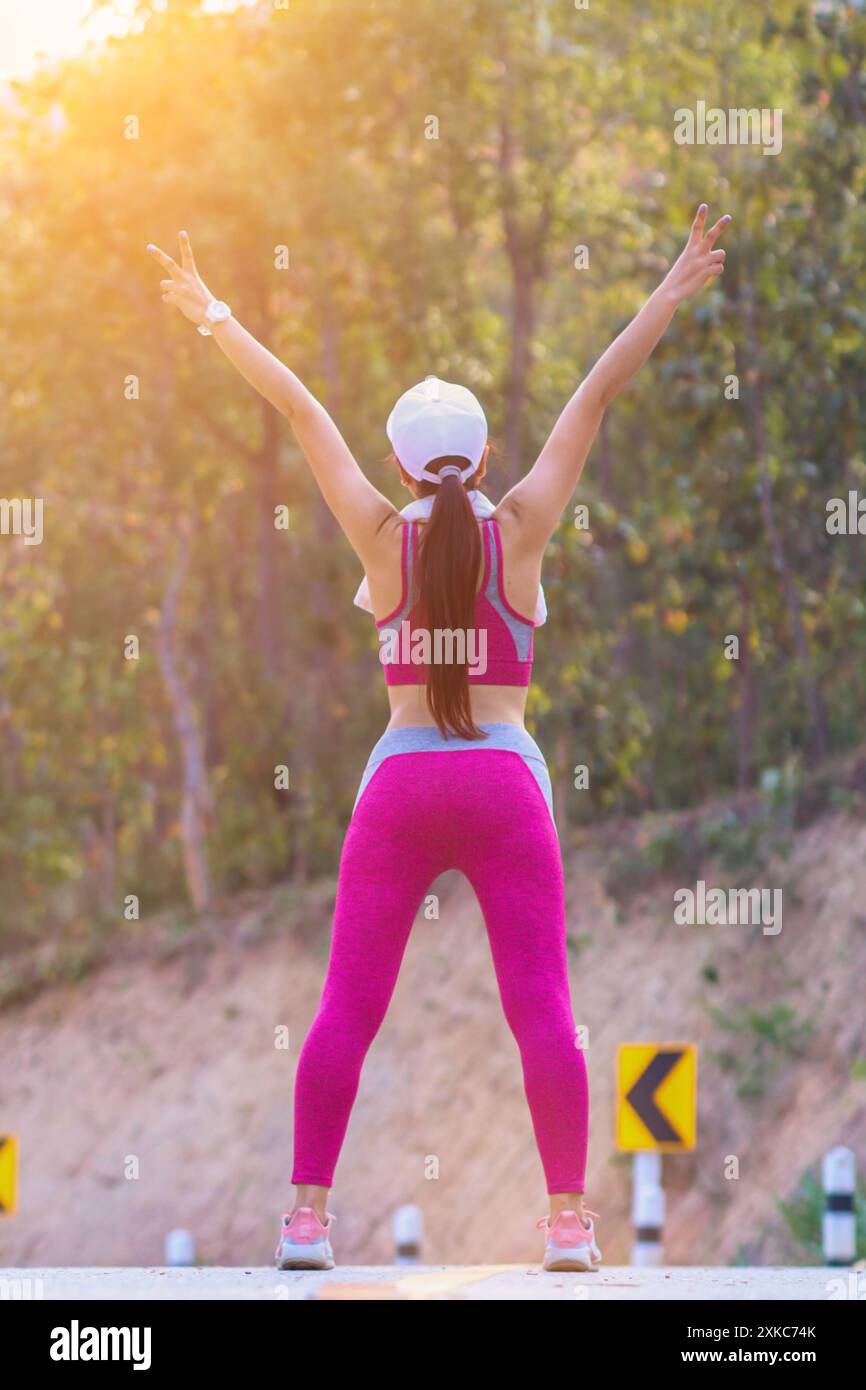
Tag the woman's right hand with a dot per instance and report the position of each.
(699, 263)
(185, 288)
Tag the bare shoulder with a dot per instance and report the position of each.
(507, 511)
(382, 564)
(520, 541)
(522, 553)
(385, 541)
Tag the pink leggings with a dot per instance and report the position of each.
(484, 813)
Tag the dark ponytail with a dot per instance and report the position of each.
(446, 580)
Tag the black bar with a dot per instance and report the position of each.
(840, 1201)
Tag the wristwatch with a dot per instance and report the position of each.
(216, 312)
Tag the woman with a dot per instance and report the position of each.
(455, 781)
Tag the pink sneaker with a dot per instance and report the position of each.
(304, 1242)
(570, 1244)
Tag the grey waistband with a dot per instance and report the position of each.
(427, 739)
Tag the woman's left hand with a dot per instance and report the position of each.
(186, 288)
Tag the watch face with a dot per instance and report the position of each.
(217, 311)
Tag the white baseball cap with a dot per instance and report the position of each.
(434, 420)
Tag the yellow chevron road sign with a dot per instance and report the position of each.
(656, 1097)
(8, 1174)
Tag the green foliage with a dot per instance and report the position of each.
(761, 1040)
(802, 1216)
(305, 128)
(736, 841)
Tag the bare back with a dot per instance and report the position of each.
(490, 704)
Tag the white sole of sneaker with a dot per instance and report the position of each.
(570, 1258)
(316, 1256)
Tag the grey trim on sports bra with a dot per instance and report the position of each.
(403, 611)
(521, 632)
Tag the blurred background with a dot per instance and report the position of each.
(381, 190)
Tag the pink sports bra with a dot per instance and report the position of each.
(499, 649)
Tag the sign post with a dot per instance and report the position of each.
(839, 1224)
(656, 1113)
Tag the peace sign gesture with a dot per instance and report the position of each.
(185, 288)
(699, 262)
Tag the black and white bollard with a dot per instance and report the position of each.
(408, 1229)
(647, 1210)
(838, 1226)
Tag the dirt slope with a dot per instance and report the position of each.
(168, 1056)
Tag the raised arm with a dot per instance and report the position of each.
(358, 506)
(538, 500)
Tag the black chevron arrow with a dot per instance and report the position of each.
(641, 1097)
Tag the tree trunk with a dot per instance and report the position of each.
(195, 802)
(747, 362)
(522, 325)
(525, 248)
(266, 466)
(747, 701)
(311, 718)
(562, 787)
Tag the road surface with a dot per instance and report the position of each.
(452, 1282)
